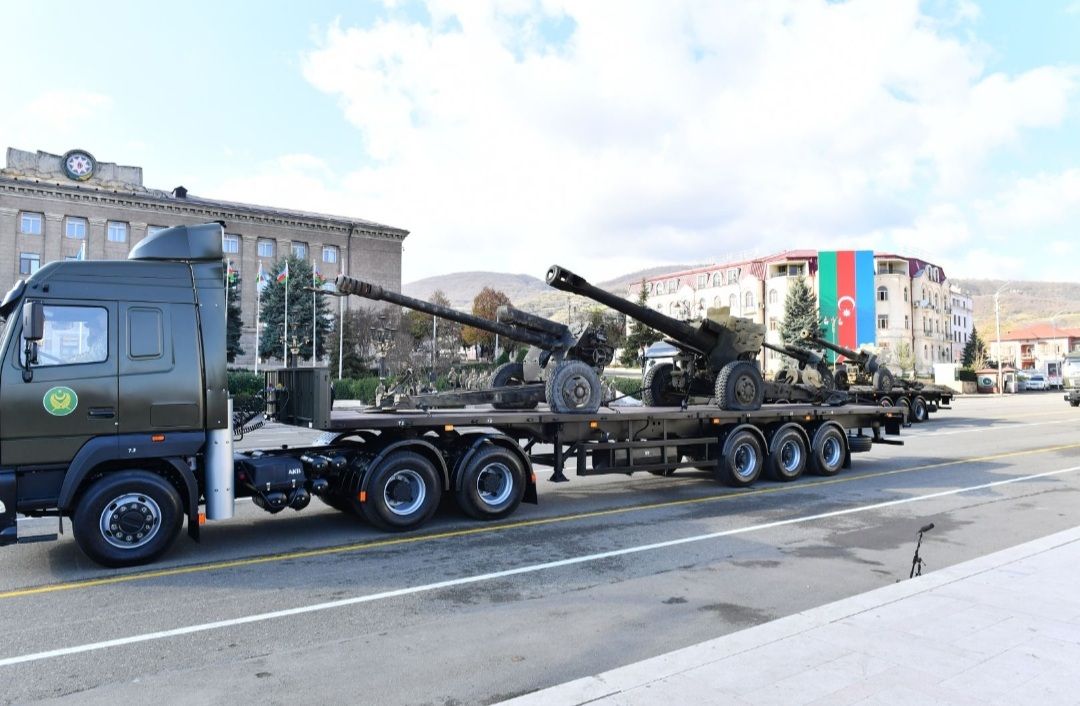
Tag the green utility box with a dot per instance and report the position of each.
(299, 396)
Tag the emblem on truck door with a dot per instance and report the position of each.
(60, 401)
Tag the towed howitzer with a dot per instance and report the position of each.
(562, 365)
(868, 370)
(811, 370)
(715, 357)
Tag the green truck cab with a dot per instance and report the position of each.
(111, 381)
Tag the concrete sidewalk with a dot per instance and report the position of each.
(1001, 629)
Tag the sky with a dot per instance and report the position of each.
(606, 136)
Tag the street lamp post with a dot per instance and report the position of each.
(997, 326)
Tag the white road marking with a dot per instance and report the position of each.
(450, 583)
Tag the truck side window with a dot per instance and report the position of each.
(145, 333)
(74, 334)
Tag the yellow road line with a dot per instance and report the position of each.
(489, 529)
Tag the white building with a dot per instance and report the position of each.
(917, 312)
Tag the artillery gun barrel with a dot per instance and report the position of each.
(800, 354)
(685, 335)
(351, 285)
(857, 357)
(510, 315)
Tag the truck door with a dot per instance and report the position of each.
(73, 394)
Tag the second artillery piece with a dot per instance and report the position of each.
(865, 365)
(715, 357)
(561, 367)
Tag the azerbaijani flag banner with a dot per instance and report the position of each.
(846, 297)
(284, 274)
(316, 277)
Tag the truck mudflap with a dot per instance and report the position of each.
(9, 527)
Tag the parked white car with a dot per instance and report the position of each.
(1037, 381)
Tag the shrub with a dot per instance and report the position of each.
(362, 389)
(244, 383)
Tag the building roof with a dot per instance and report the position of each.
(1040, 331)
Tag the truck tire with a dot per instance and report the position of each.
(656, 387)
(827, 450)
(506, 375)
(739, 386)
(859, 444)
(919, 411)
(787, 455)
(492, 484)
(742, 459)
(885, 401)
(127, 518)
(904, 403)
(403, 493)
(573, 387)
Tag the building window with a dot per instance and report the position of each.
(905, 294)
(75, 227)
(266, 248)
(117, 232)
(30, 223)
(702, 280)
(154, 230)
(733, 275)
(299, 251)
(29, 262)
(883, 294)
(907, 321)
(774, 296)
(329, 254)
(883, 321)
(749, 301)
(716, 279)
(230, 243)
(774, 324)
(672, 286)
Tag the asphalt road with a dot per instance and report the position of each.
(315, 606)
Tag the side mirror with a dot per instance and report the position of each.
(33, 322)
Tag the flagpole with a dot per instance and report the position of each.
(314, 283)
(258, 306)
(286, 344)
(341, 334)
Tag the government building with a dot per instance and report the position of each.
(67, 206)
(914, 307)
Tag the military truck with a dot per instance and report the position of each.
(115, 415)
(1070, 378)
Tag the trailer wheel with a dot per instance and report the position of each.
(859, 444)
(656, 388)
(742, 460)
(492, 484)
(827, 450)
(573, 387)
(883, 380)
(787, 455)
(905, 404)
(739, 386)
(127, 518)
(507, 375)
(919, 411)
(403, 492)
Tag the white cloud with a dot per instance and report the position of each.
(51, 117)
(669, 132)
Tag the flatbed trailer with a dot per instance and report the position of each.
(918, 404)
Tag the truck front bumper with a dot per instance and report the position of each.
(9, 528)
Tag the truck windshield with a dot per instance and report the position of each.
(1070, 371)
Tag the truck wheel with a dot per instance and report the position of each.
(742, 460)
(573, 387)
(656, 388)
(492, 484)
(507, 375)
(885, 402)
(883, 380)
(739, 386)
(787, 455)
(905, 404)
(403, 492)
(827, 451)
(127, 518)
(919, 411)
(859, 444)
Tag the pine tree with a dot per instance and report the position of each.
(300, 283)
(974, 349)
(800, 312)
(233, 322)
(640, 335)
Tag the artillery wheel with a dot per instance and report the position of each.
(840, 379)
(573, 387)
(507, 375)
(883, 380)
(656, 387)
(739, 386)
